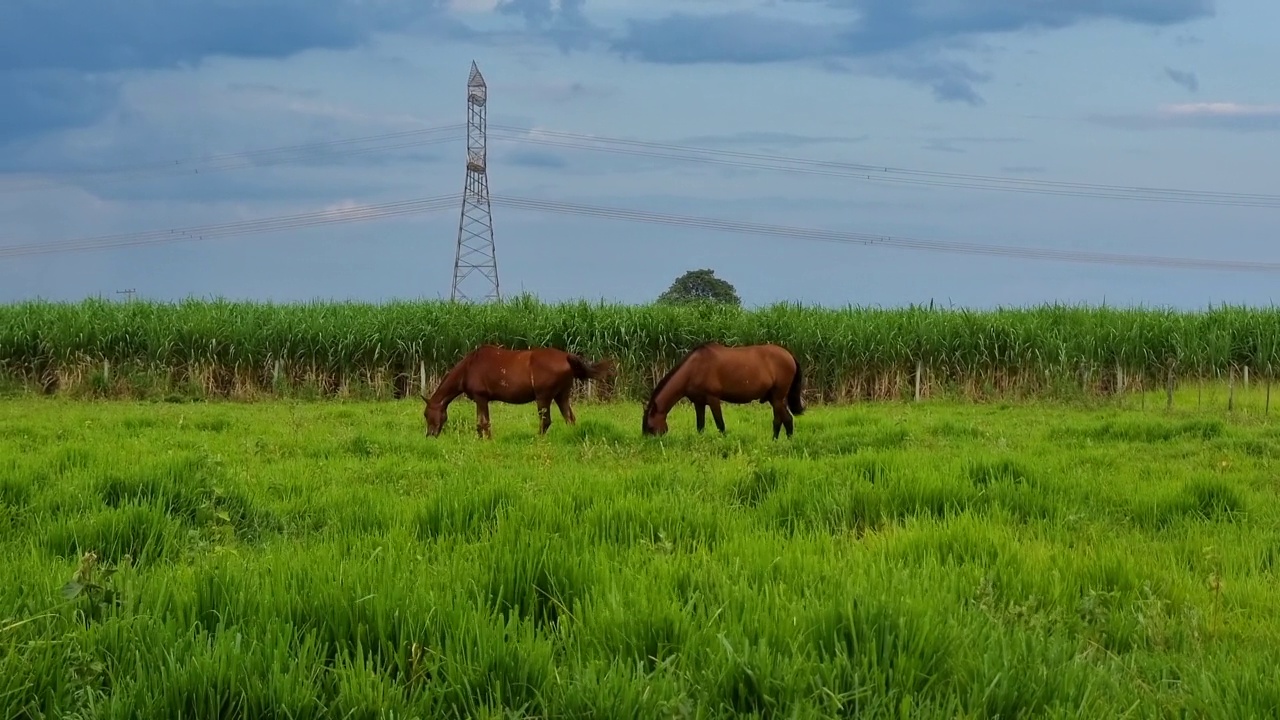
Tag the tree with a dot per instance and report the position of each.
(700, 286)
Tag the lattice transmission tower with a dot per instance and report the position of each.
(475, 255)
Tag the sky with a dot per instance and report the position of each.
(202, 94)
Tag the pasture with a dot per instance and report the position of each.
(932, 560)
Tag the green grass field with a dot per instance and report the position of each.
(933, 560)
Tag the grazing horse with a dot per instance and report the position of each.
(517, 377)
(711, 373)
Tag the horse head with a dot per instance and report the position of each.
(435, 416)
(652, 422)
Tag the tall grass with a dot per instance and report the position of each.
(314, 560)
(245, 348)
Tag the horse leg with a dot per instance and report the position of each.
(482, 417)
(781, 417)
(544, 414)
(714, 402)
(700, 412)
(566, 410)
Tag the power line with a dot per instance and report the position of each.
(857, 171)
(686, 153)
(247, 227)
(868, 239)
(262, 157)
(433, 204)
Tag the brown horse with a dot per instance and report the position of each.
(711, 373)
(517, 377)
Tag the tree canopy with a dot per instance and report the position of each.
(701, 286)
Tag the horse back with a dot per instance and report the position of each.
(517, 375)
(745, 370)
(783, 362)
(765, 355)
(495, 371)
(496, 356)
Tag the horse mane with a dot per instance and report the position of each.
(457, 371)
(666, 378)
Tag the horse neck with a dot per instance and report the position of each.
(450, 387)
(671, 393)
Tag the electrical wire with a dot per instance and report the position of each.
(246, 227)
(868, 239)
(262, 157)
(857, 171)
(434, 204)
(684, 153)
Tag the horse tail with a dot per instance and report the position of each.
(794, 401)
(583, 370)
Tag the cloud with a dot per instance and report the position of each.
(572, 90)
(239, 141)
(43, 100)
(898, 38)
(561, 21)
(1186, 79)
(1219, 109)
(1229, 116)
(775, 139)
(115, 35)
(740, 37)
(292, 185)
(955, 144)
(61, 63)
(556, 90)
(535, 159)
(950, 81)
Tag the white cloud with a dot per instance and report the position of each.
(1231, 116)
(344, 206)
(473, 6)
(1219, 109)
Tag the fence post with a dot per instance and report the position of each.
(422, 371)
(919, 373)
(1169, 390)
(1231, 389)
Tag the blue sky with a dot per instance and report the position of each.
(1168, 93)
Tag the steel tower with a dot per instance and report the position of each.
(475, 258)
